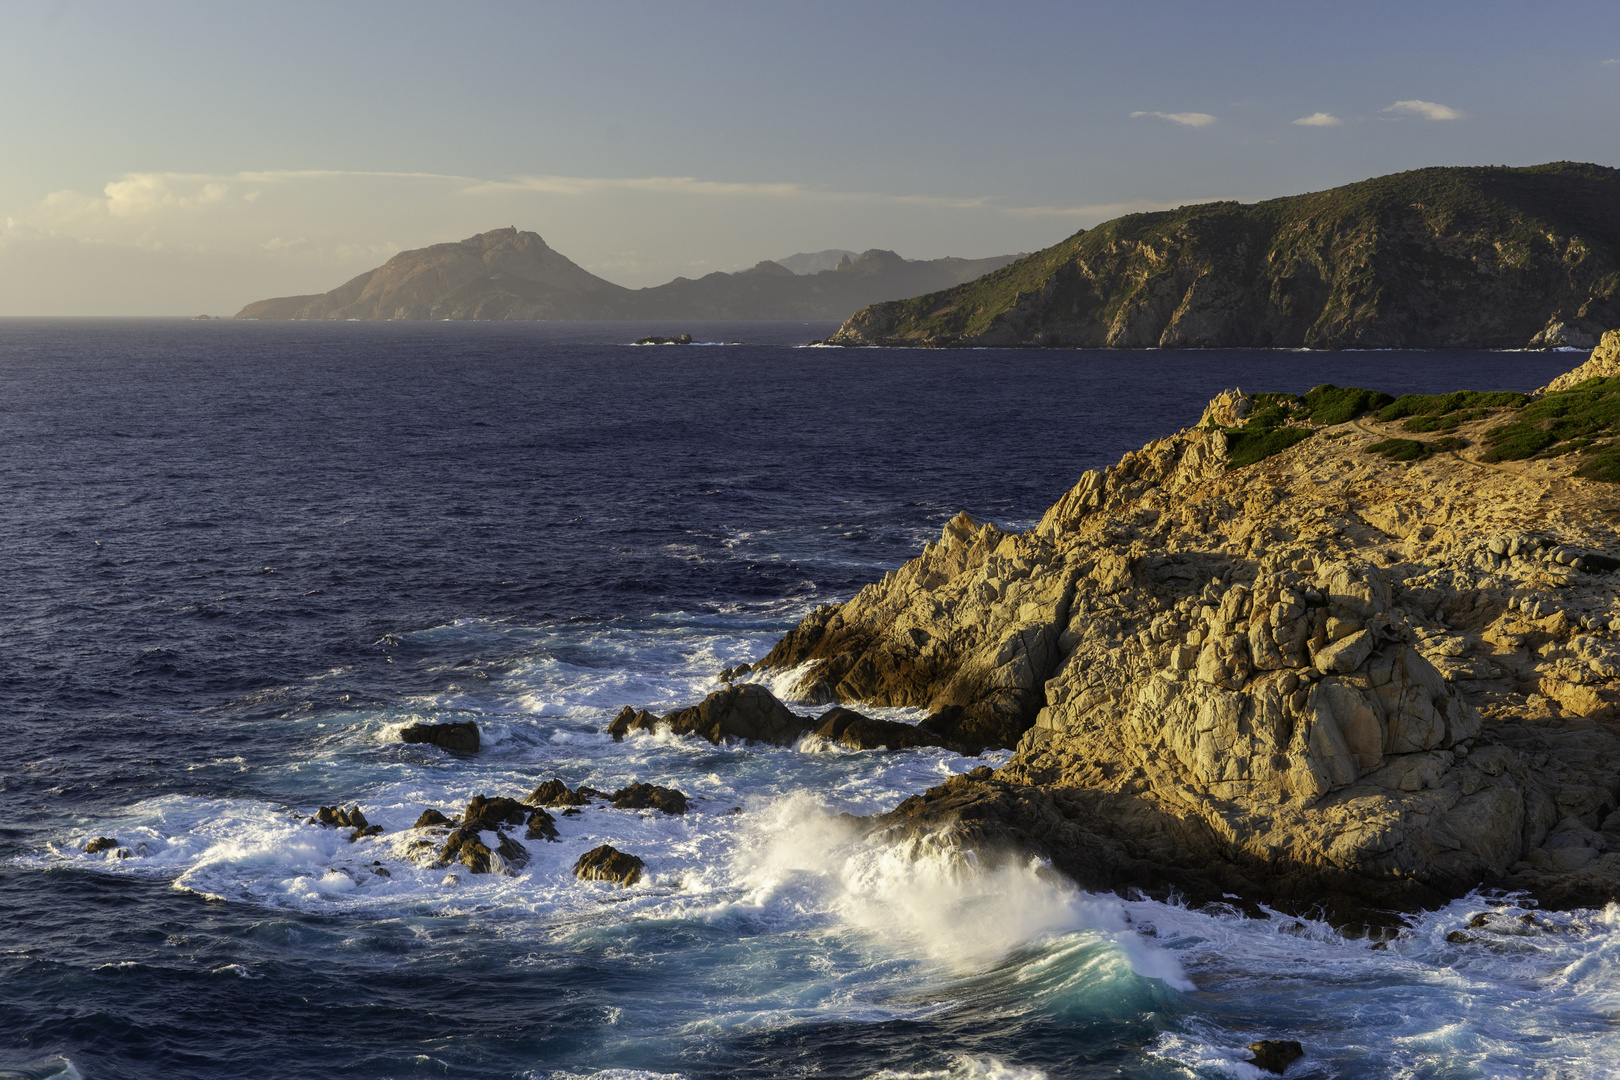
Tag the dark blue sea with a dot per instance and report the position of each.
(237, 558)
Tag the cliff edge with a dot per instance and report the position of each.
(1337, 652)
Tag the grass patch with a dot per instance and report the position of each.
(1414, 449)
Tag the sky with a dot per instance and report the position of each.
(180, 158)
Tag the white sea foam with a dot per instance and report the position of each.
(826, 922)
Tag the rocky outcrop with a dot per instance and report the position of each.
(100, 844)
(338, 818)
(556, 793)
(748, 712)
(460, 737)
(649, 797)
(1604, 363)
(1435, 258)
(1327, 680)
(607, 863)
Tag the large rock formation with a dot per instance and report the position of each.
(1604, 363)
(1330, 678)
(507, 274)
(1434, 258)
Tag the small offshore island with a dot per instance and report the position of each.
(1304, 654)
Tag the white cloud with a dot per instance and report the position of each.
(1429, 110)
(1616, 60)
(1317, 119)
(1189, 119)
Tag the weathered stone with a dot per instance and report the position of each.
(1275, 1055)
(858, 732)
(1327, 680)
(748, 712)
(1346, 654)
(100, 844)
(460, 737)
(650, 797)
(430, 818)
(607, 863)
(555, 793)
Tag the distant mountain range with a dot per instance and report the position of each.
(507, 274)
(1490, 257)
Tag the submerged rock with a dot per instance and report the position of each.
(1275, 1055)
(100, 844)
(460, 737)
(748, 712)
(650, 797)
(607, 863)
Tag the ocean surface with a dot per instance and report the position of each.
(235, 558)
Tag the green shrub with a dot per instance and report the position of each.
(1414, 450)
(1431, 423)
(1438, 404)
(1330, 405)
(1245, 447)
(1516, 441)
(1601, 464)
(1398, 449)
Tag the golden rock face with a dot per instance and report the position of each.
(1390, 680)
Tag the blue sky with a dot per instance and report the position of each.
(185, 157)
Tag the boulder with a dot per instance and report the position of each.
(748, 712)
(555, 793)
(650, 797)
(460, 737)
(1275, 1055)
(857, 732)
(607, 863)
(486, 814)
(100, 844)
(541, 825)
(335, 817)
(430, 818)
(467, 847)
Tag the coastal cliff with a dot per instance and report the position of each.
(1339, 652)
(1434, 258)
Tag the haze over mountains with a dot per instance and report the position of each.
(508, 274)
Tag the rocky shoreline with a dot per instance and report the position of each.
(1337, 680)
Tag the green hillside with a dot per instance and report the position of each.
(1487, 257)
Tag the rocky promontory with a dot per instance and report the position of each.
(1338, 652)
(1438, 258)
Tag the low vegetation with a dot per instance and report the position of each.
(1582, 420)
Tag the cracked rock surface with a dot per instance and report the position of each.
(1326, 680)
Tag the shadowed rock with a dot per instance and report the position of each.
(555, 793)
(100, 844)
(460, 737)
(748, 712)
(1275, 1055)
(430, 818)
(650, 797)
(850, 728)
(607, 863)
